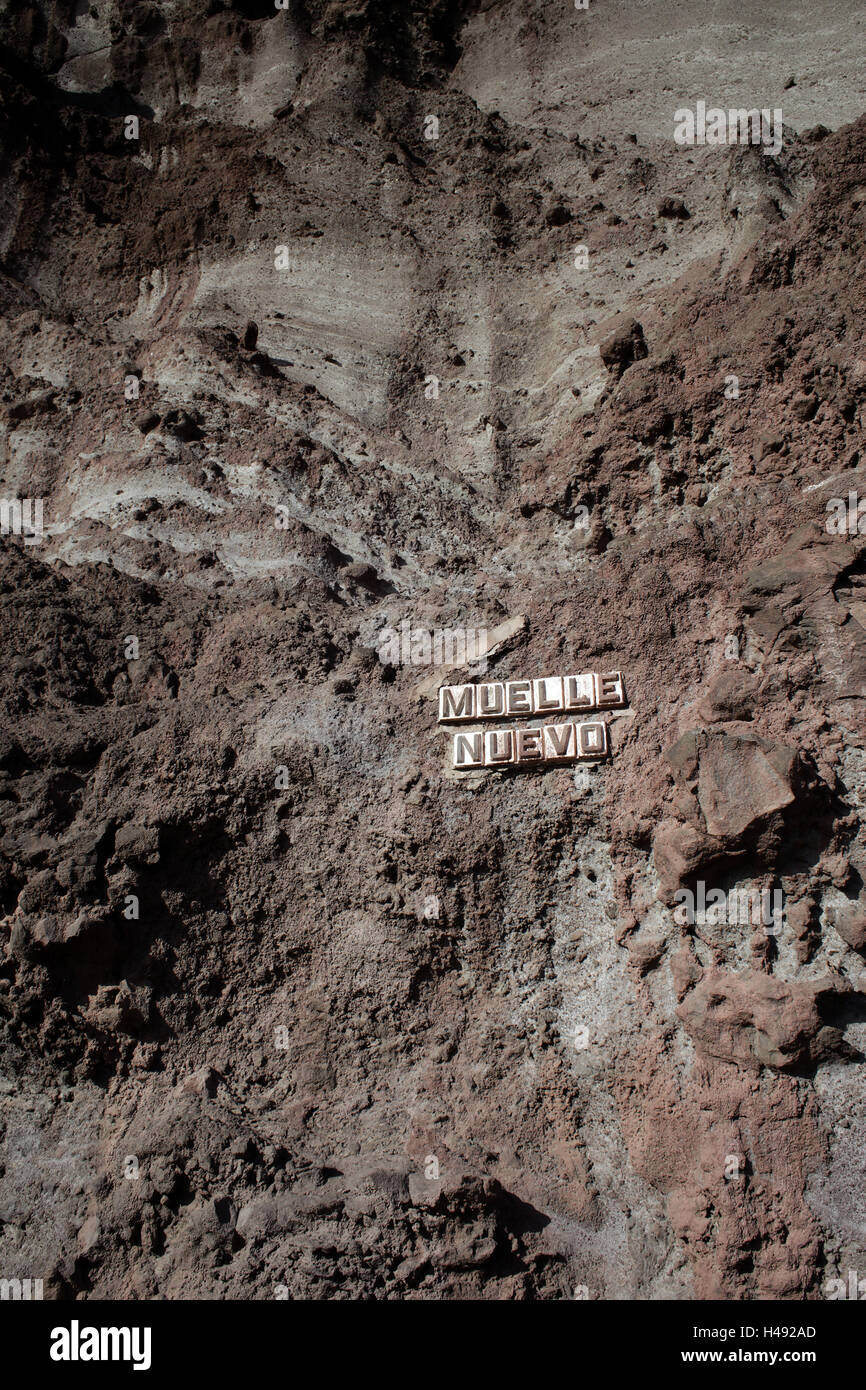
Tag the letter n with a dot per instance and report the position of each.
(469, 750)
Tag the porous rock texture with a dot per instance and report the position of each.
(376, 1031)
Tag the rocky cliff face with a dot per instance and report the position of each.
(416, 318)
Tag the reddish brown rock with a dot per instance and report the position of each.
(624, 346)
(850, 923)
(678, 850)
(739, 783)
(753, 1020)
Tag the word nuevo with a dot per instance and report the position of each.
(736, 127)
(76, 1343)
(549, 695)
(520, 747)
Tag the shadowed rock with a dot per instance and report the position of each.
(753, 1019)
(624, 346)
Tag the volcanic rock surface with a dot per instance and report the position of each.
(288, 1008)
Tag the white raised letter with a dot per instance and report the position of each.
(456, 702)
(468, 750)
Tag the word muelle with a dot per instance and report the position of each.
(546, 696)
(522, 747)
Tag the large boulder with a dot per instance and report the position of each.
(753, 1019)
(624, 346)
(739, 782)
(738, 779)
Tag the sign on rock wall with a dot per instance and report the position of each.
(552, 739)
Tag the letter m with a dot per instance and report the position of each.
(740, 120)
(111, 1336)
(753, 916)
(456, 702)
(10, 1288)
